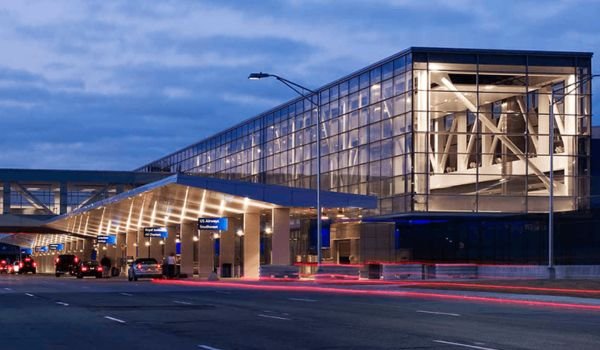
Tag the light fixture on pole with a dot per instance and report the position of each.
(307, 94)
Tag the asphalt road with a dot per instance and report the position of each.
(42, 312)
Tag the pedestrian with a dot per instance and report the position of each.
(171, 265)
(106, 265)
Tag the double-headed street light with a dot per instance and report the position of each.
(307, 94)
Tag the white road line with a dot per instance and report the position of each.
(114, 319)
(275, 317)
(182, 302)
(61, 303)
(438, 313)
(7, 288)
(463, 345)
(302, 299)
(29, 294)
(206, 347)
(126, 294)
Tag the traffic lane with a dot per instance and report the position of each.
(223, 327)
(34, 322)
(49, 284)
(279, 303)
(359, 318)
(509, 326)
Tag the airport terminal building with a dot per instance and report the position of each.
(433, 155)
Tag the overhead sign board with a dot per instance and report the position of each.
(26, 251)
(41, 249)
(212, 224)
(107, 240)
(56, 246)
(156, 232)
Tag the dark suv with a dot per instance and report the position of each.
(27, 265)
(66, 264)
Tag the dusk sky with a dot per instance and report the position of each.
(113, 85)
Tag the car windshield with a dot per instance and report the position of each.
(146, 261)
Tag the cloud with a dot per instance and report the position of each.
(114, 85)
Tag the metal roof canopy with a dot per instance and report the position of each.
(183, 198)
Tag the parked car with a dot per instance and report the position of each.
(4, 266)
(88, 269)
(65, 263)
(14, 267)
(27, 265)
(144, 268)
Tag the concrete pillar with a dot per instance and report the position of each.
(142, 250)
(281, 237)
(6, 198)
(63, 198)
(227, 244)
(156, 249)
(87, 249)
(206, 254)
(170, 241)
(251, 245)
(188, 231)
(131, 241)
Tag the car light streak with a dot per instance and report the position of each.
(384, 293)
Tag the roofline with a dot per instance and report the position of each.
(394, 56)
(50, 175)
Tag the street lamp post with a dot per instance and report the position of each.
(553, 102)
(300, 90)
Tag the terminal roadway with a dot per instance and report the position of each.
(42, 312)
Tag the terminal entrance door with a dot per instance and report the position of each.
(344, 251)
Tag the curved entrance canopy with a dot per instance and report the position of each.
(183, 198)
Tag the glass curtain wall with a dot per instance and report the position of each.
(423, 131)
(481, 135)
(366, 133)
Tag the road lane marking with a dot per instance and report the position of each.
(463, 345)
(438, 313)
(29, 294)
(127, 294)
(275, 317)
(182, 302)
(114, 319)
(302, 299)
(206, 347)
(62, 303)
(7, 288)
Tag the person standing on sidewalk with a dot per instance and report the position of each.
(106, 265)
(171, 265)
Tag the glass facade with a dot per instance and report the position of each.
(426, 130)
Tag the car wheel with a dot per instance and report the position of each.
(57, 274)
(135, 277)
(80, 276)
(129, 277)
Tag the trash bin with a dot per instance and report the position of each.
(226, 271)
(374, 271)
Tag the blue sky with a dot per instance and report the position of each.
(112, 85)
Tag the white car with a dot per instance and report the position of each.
(15, 268)
(144, 268)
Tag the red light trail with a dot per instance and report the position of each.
(384, 293)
